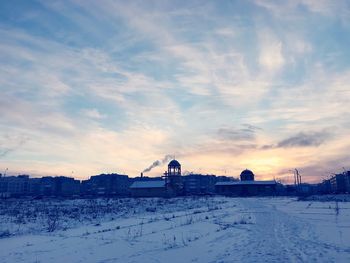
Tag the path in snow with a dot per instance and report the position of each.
(279, 237)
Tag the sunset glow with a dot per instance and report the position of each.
(90, 87)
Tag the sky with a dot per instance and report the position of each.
(90, 87)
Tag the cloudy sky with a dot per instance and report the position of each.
(111, 86)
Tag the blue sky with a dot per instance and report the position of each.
(111, 86)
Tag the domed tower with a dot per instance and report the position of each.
(174, 168)
(247, 175)
(173, 176)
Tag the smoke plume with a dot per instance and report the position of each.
(158, 162)
(5, 151)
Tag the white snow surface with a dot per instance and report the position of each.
(188, 229)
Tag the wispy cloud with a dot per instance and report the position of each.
(304, 139)
(271, 53)
(93, 113)
(9, 144)
(115, 84)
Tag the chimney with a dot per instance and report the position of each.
(141, 175)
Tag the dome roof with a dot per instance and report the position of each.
(174, 163)
(247, 175)
(246, 172)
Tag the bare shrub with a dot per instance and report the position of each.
(337, 209)
(4, 234)
(189, 220)
(52, 220)
(151, 209)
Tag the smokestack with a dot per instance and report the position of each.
(141, 175)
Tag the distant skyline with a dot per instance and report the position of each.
(94, 87)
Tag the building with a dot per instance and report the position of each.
(324, 187)
(173, 178)
(149, 189)
(34, 186)
(106, 185)
(199, 184)
(54, 186)
(22, 185)
(338, 183)
(347, 181)
(247, 175)
(247, 186)
(170, 186)
(48, 186)
(66, 186)
(14, 186)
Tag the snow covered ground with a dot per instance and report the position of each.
(205, 229)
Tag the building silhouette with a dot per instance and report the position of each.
(247, 186)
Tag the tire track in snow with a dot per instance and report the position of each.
(279, 237)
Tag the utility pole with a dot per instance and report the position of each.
(297, 179)
(298, 176)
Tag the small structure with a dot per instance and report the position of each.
(148, 189)
(247, 186)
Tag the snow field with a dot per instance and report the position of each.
(211, 229)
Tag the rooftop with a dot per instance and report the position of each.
(247, 183)
(148, 184)
(174, 163)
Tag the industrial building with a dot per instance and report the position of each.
(149, 189)
(247, 186)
